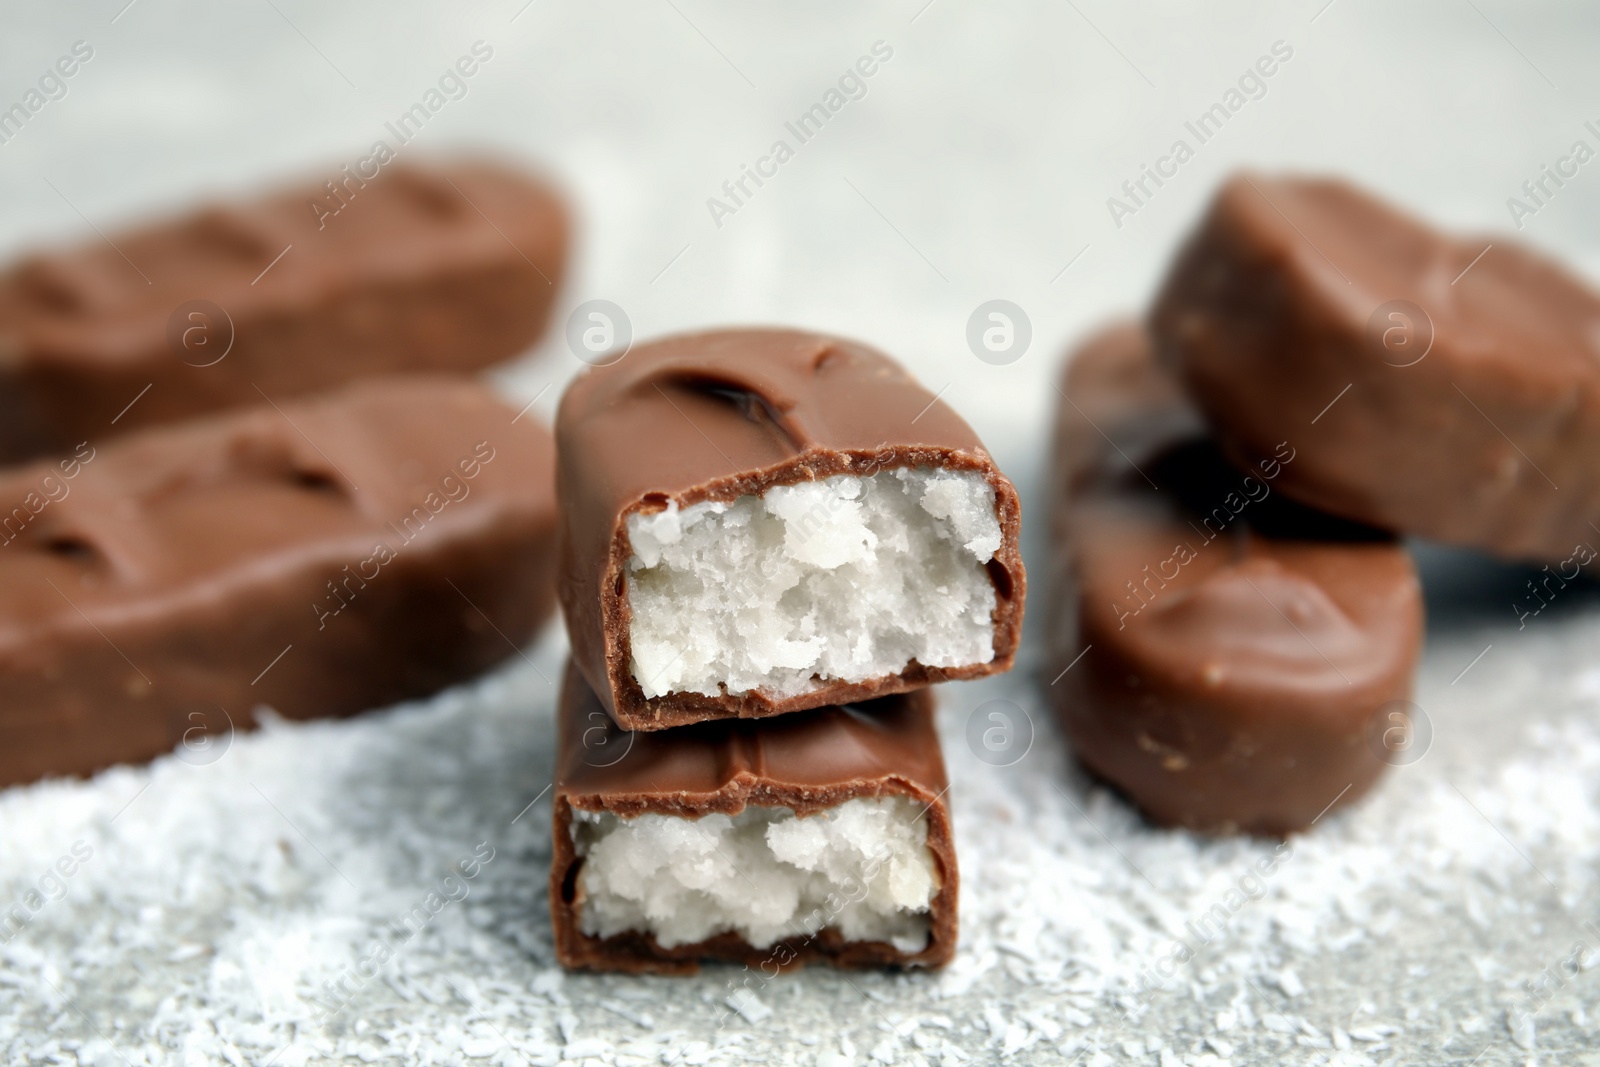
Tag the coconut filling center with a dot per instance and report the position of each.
(862, 869)
(848, 578)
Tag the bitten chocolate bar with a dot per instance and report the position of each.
(761, 521)
(318, 557)
(1242, 656)
(818, 836)
(1436, 386)
(447, 268)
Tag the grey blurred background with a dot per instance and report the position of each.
(977, 165)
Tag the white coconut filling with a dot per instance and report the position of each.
(848, 578)
(862, 868)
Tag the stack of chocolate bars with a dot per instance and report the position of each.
(1230, 649)
(772, 544)
(1236, 620)
(270, 481)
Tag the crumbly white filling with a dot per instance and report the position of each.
(862, 868)
(848, 578)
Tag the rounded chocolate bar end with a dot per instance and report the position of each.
(1250, 701)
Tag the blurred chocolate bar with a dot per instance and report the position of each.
(1230, 659)
(443, 268)
(319, 557)
(1438, 386)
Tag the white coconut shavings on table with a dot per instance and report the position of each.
(374, 891)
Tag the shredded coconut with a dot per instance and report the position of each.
(862, 868)
(846, 578)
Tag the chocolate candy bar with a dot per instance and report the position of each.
(1241, 654)
(760, 521)
(821, 835)
(319, 557)
(447, 268)
(1430, 385)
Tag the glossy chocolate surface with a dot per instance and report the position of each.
(809, 761)
(437, 268)
(718, 415)
(319, 557)
(1241, 647)
(1431, 385)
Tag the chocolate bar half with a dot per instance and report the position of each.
(417, 268)
(1228, 658)
(1439, 386)
(818, 836)
(319, 557)
(761, 521)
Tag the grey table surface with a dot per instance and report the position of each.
(217, 904)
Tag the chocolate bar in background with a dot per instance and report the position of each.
(1240, 653)
(762, 521)
(421, 268)
(1431, 385)
(320, 557)
(817, 836)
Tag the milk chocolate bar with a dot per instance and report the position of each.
(761, 521)
(1443, 387)
(1242, 655)
(817, 836)
(447, 268)
(317, 557)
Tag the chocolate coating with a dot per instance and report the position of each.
(410, 275)
(1240, 648)
(182, 576)
(809, 762)
(715, 416)
(1454, 417)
